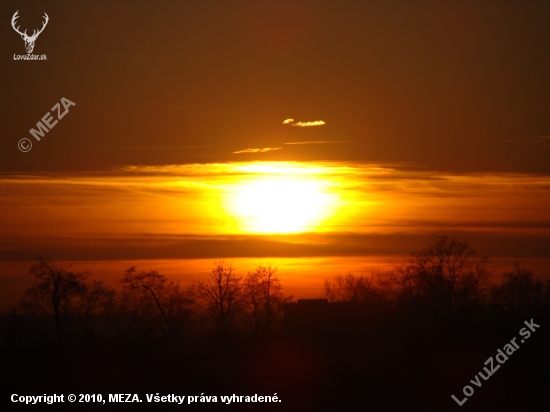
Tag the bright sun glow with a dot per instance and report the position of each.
(280, 204)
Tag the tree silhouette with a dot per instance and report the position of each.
(56, 293)
(152, 302)
(447, 276)
(96, 310)
(369, 295)
(349, 288)
(220, 297)
(263, 294)
(519, 289)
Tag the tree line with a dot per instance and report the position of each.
(65, 305)
(446, 279)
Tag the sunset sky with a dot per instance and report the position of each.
(316, 136)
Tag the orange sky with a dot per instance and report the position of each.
(368, 216)
(290, 129)
(222, 201)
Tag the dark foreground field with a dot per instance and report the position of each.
(389, 366)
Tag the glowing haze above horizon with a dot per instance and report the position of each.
(316, 136)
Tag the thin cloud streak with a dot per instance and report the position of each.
(168, 246)
(259, 150)
(309, 124)
(304, 124)
(321, 142)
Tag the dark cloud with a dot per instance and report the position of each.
(143, 247)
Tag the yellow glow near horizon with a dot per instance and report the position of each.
(290, 203)
(268, 198)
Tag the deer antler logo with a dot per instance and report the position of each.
(29, 40)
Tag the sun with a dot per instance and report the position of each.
(280, 204)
